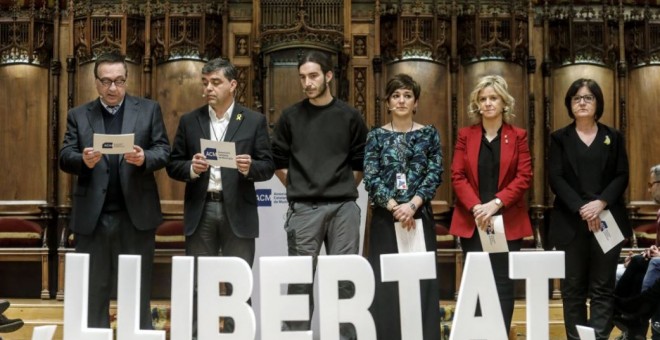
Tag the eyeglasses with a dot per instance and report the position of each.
(589, 98)
(107, 82)
(653, 183)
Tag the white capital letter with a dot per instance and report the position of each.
(183, 272)
(332, 310)
(128, 302)
(211, 306)
(408, 269)
(275, 273)
(76, 283)
(537, 268)
(478, 283)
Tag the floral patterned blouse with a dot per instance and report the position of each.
(417, 154)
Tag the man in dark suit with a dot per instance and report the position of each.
(220, 204)
(116, 207)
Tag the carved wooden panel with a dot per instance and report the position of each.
(301, 22)
(360, 83)
(26, 34)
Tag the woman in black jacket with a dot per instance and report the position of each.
(588, 171)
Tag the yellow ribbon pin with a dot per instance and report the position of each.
(607, 140)
(240, 116)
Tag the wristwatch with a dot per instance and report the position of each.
(498, 202)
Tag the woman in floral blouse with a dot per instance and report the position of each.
(402, 170)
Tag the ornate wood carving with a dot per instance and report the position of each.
(360, 46)
(360, 84)
(190, 31)
(496, 30)
(26, 33)
(242, 43)
(419, 29)
(301, 22)
(177, 30)
(243, 79)
(642, 37)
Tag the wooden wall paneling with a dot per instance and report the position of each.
(432, 108)
(643, 141)
(24, 132)
(178, 88)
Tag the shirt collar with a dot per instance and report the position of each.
(225, 116)
(107, 107)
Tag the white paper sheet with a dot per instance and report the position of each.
(222, 154)
(113, 144)
(610, 233)
(410, 241)
(494, 240)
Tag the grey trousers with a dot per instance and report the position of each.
(311, 224)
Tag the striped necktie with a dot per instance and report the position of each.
(113, 109)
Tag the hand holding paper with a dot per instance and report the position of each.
(91, 157)
(136, 157)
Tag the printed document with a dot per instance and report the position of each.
(113, 144)
(222, 154)
(610, 234)
(410, 241)
(493, 239)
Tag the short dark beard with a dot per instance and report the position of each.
(322, 89)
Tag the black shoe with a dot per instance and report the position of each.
(9, 325)
(632, 327)
(4, 304)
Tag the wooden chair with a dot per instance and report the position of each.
(23, 239)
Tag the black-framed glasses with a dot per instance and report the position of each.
(108, 82)
(589, 98)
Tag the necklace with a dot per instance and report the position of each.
(412, 125)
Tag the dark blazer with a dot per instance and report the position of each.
(248, 130)
(143, 118)
(565, 216)
(514, 179)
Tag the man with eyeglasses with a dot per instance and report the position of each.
(116, 207)
(642, 273)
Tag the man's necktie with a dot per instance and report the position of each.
(113, 109)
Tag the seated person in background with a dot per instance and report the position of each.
(641, 275)
(8, 325)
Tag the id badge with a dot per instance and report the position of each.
(401, 183)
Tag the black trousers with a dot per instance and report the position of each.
(589, 274)
(500, 265)
(115, 234)
(385, 307)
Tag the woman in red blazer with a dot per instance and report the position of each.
(491, 171)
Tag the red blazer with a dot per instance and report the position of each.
(514, 179)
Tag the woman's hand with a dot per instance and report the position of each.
(591, 210)
(483, 212)
(404, 213)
